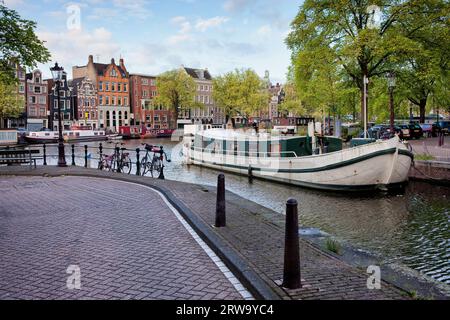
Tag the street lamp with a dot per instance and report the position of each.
(391, 86)
(57, 73)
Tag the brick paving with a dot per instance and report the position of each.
(429, 146)
(126, 241)
(257, 235)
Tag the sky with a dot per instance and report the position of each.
(154, 36)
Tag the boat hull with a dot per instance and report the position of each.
(382, 165)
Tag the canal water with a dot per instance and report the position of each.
(412, 228)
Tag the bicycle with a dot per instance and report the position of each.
(154, 164)
(119, 161)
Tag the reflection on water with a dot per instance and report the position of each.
(412, 228)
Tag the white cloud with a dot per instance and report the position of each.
(264, 31)
(204, 24)
(74, 46)
(182, 23)
(236, 5)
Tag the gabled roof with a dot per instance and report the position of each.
(196, 73)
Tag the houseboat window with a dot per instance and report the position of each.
(77, 134)
(47, 134)
(95, 133)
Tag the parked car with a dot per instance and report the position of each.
(415, 131)
(442, 126)
(427, 129)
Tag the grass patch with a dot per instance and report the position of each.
(423, 157)
(333, 246)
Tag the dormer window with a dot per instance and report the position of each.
(113, 73)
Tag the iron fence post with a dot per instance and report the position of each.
(45, 154)
(73, 155)
(138, 164)
(85, 155)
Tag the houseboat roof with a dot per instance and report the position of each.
(228, 134)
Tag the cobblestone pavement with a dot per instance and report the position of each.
(257, 235)
(430, 146)
(125, 239)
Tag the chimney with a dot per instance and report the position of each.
(113, 61)
(91, 59)
(122, 65)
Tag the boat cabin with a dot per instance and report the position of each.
(262, 145)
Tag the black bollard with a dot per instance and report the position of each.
(291, 273)
(220, 204)
(73, 155)
(250, 174)
(45, 154)
(85, 155)
(138, 164)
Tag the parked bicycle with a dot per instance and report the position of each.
(119, 161)
(153, 164)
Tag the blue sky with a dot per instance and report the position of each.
(158, 35)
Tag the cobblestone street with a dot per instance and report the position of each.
(125, 239)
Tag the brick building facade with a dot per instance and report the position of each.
(112, 84)
(87, 103)
(143, 88)
(37, 96)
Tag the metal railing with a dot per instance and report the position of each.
(84, 155)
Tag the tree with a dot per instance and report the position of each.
(19, 45)
(291, 101)
(365, 40)
(240, 92)
(176, 90)
(426, 68)
(11, 104)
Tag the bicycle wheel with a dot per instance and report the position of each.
(156, 167)
(145, 166)
(113, 164)
(126, 165)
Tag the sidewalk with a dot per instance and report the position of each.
(429, 146)
(125, 240)
(254, 236)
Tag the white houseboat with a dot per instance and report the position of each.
(68, 136)
(290, 159)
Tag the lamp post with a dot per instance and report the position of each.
(57, 73)
(391, 86)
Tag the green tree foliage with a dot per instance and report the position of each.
(176, 91)
(424, 71)
(358, 38)
(11, 104)
(240, 92)
(18, 44)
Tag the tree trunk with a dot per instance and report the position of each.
(422, 107)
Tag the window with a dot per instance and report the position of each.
(100, 86)
(119, 101)
(43, 100)
(125, 87)
(107, 101)
(145, 82)
(106, 86)
(37, 89)
(93, 102)
(21, 88)
(154, 93)
(201, 88)
(113, 86)
(156, 118)
(68, 104)
(113, 73)
(207, 99)
(144, 93)
(33, 112)
(125, 101)
(42, 112)
(153, 82)
(38, 79)
(119, 87)
(100, 100)
(32, 99)
(113, 101)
